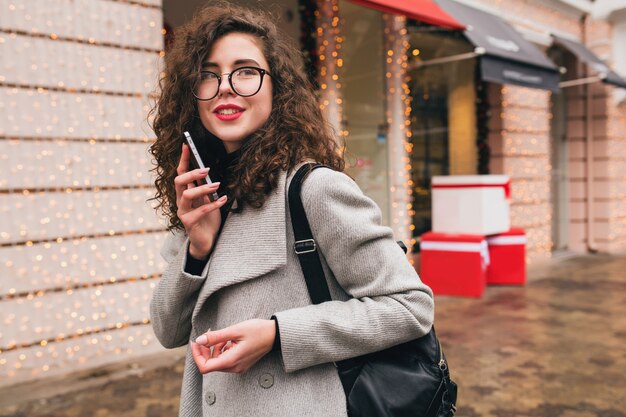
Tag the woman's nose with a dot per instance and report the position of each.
(225, 87)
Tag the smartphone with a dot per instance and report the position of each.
(195, 162)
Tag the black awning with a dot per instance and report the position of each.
(504, 55)
(591, 60)
(497, 70)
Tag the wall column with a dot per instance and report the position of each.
(519, 139)
(398, 112)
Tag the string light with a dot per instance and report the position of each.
(97, 23)
(524, 130)
(44, 216)
(54, 316)
(72, 115)
(329, 42)
(79, 352)
(111, 70)
(398, 114)
(79, 243)
(70, 289)
(71, 264)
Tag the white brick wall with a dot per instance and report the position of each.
(78, 242)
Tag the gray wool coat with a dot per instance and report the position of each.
(253, 272)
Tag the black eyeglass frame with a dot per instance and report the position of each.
(262, 71)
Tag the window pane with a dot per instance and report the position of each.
(364, 89)
(436, 92)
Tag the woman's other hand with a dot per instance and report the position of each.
(249, 340)
(199, 215)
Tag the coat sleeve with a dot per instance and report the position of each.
(175, 295)
(390, 304)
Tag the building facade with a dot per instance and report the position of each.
(79, 241)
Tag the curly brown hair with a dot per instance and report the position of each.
(295, 131)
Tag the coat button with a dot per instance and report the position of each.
(209, 397)
(266, 380)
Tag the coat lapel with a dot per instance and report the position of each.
(252, 243)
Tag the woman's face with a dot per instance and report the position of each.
(229, 116)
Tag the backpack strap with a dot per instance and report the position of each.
(305, 246)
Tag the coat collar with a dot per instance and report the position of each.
(252, 243)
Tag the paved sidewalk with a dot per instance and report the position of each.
(554, 348)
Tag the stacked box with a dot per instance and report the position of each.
(454, 264)
(507, 254)
(470, 204)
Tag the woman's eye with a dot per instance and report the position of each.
(246, 72)
(208, 76)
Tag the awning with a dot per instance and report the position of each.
(601, 71)
(505, 57)
(426, 11)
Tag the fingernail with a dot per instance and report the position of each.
(222, 198)
(201, 340)
(204, 170)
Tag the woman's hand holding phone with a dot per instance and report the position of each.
(200, 217)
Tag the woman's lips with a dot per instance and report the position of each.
(228, 112)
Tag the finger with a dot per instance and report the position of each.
(197, 354)
(186, 200)
(194, 215)
(183, 163)
(227, 361)
(182, 181)
(193, 192)
(205, 351)
(204, 199)
(215, 337)
(200, 197)
(191, 176)
(183, 167)
(229, 345)
(185, 182)
(200, 201)
(206, 364)
(217, 349)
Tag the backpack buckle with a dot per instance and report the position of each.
(305, 246)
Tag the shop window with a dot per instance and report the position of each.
(443, 117)
(364, 95)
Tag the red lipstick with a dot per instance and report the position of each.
(228, 112)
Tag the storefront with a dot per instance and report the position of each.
(376, 101)
(579, 132)
(449, 89)
(452, 75)
(486, 100)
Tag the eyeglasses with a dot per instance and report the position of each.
(244, 81)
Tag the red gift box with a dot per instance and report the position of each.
(507, 254)
(454, 264)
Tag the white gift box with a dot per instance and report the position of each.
(470, 204)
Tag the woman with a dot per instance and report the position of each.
(233, 288)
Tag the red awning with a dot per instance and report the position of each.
(426, 11)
